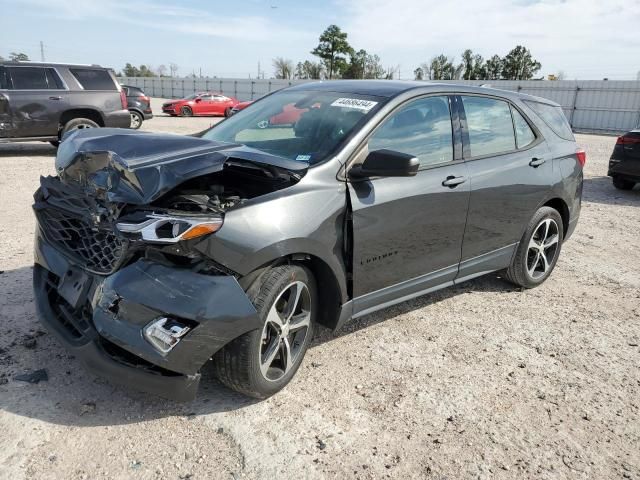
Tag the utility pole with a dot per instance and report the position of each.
(41, 51)
(258, 70)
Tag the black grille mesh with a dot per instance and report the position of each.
(99, 250)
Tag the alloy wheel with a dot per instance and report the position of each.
(285, 331)
(543, 248)
(135, 121)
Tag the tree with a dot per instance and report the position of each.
(146, 71)
(173, 69)
(332, 48)
(441, 67)
(130, 71)
(493, 68)
(418, 74)
(309, 70)
(519, 65)
(357, 64)
(1, 58)
(283, 68)
(18, 57)
(473, 66)
(162, 70)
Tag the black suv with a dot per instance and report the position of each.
(139, 105)
(43, 101)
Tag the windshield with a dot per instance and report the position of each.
(193, 96)
(306, 126)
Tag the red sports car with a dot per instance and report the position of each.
(202, 104)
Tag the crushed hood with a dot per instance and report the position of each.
(120, 165)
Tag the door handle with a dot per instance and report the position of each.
(453, 182)
(55, 98)
(536, 162)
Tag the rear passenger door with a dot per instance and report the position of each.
(511, 172)
(36, 99)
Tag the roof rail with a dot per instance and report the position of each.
(54, 63)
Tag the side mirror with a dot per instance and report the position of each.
(386, 163)
(198, 100)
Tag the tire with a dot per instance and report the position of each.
(227, 112)
(55, 143)
(136, 119)
(186, 112)
(622, 184)
(243, 364)
(537, 253)
(78, 124)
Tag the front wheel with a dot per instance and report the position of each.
(186, 111)
(227, 112)
(263, 361)
(538, 250)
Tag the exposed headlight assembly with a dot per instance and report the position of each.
(172, 229)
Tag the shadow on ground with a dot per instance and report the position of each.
(39, 149)
(601, 190)
(70, 391)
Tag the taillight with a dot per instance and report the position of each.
(123, 99)
(143, 98)
(581, 155)
(627, 140)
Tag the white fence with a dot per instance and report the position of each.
(593, 106)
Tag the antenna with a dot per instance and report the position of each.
(41, 51)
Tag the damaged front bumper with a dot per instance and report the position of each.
(101, 318)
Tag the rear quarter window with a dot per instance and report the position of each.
(554, 117)
(93, 79)
(4, 79)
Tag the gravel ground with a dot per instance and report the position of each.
(477, 381)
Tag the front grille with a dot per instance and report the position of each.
(77, 324)
(99, 250)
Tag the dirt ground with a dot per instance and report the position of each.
(478, 381)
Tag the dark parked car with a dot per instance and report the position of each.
(139, 105)
(43, 101)
(624, 165)
(156, 253)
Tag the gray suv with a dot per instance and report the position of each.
(43, 101)
(155, 253)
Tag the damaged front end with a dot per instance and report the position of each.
(120, 272)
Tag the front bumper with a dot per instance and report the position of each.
(101, 318)
(171, 110)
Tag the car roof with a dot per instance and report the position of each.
(393, 88)
(28, 63)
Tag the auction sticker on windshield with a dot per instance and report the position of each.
(355, 103)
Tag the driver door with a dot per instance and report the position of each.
(408, 231)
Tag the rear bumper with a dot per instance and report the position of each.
(117, 119)
(628, 169)
(103, 326)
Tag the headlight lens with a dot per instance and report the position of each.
(172, 229)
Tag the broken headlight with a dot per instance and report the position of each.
(172, 229)
(165, 333)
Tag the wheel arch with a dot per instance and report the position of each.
(562, 208)
(331, 292)
(89, 113)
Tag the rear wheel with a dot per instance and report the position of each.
(538, 250)
(78, 124)
(622, 184)
(263, 361)
(227, 112)
(136, 119)
(186, 111)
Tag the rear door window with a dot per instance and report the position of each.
(93, 79)
(524, 134)
(554, 117)
(422, 128)
(53, 79)
(29, 78)
(4, 79)
(489, 125)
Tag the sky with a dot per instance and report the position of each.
(585, 39)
